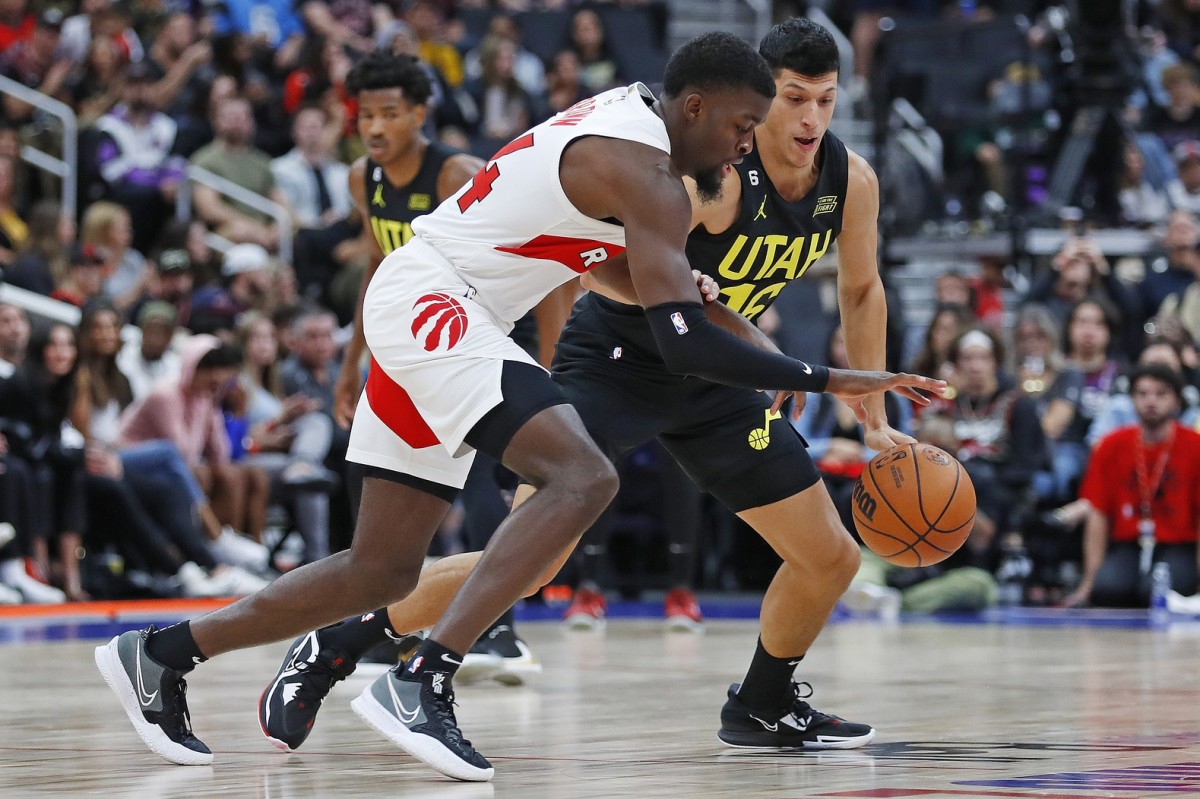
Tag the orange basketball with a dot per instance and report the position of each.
(914, 505)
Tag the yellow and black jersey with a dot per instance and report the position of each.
(773, 241)
(391, 209)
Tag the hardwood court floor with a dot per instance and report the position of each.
(977, 710)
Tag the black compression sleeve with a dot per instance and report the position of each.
(692, 345)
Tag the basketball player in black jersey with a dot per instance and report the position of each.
(778, 212)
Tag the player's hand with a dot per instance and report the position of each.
(345, 394)
(885, 437)
(1077, 598)
(853, 386)
(708, 287)
(798, 400)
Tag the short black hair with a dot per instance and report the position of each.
(717, 61)
(801, 45)
(223, 356)
(381, 69)
(1163, 374)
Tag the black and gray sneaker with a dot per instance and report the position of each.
(419, 718)
(154, 698)
(288, 706)
(499, 655)
(799, 727)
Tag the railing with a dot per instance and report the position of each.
(195, 174)
(67, 167)
(40, 305)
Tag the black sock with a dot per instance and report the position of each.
(768, 684)
(175, 648)
(359, 634)
(431, 658)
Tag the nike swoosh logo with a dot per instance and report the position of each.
(807, 369)
(145, 698)
(773, 727)
(451, 660)
(405, 715)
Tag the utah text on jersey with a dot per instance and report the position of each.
(390, 234)
(758, 268)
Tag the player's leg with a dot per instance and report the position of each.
(681, 503)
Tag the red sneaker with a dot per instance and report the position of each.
(586, 611)
(682, 611)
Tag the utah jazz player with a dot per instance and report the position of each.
(779, 211)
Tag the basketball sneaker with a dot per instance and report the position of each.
(154, 698)
(799, 727)
(586, 611)
(682, 611)
(500, 655)
(419, 718)
(288, 705)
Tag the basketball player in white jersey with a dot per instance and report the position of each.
(600, 180)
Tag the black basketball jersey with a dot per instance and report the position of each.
(392, 209)
(773, 241)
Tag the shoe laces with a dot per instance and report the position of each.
(801, 708)
(323, 673)
(442, 708)
(180, 711)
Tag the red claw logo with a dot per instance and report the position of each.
(440, 319)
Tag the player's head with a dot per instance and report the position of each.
(716, 89)
(391, 91)
(1157, 393)
(804, 60)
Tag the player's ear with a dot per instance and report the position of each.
(419, 113)
(693, 106)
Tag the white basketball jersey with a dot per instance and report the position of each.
(511, 233)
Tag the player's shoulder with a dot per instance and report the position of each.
(456, 170)
(860, 176)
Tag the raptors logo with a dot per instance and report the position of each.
(440, 321)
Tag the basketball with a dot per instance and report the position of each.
(914, 505)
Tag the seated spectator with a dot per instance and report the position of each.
(348, 23)
(247, 283)
(586, 38)
(946, 325)
(564, 85)
(16, 23)
(173, 284)
(1090, 335)
(311, 179)
(108, 227)
(96, 88)
(14, 338)
(85, 276)
(233, 157)
(1119, 411)
(150, 361)
(179, 66)
(428, 25)
(1172, 266)
(528, 69)
(42, 259)
(271, 27)
(34, 405)
(100, 20)
(1179, 121)
(34, 62)
(13, 230)
(136, 157)
(1184, 191)
(186, 412)
(505, 109)
(1142, 203)
(1143, 487)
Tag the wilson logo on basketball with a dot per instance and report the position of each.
(440, 322)
(865, 502)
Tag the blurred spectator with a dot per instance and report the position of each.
(312, 367)
(108, 227)
(1142, 203)
(136, 157)
(1179, 121)
(311, 179)
(247, 283)
(586, 38)
(14, 338)
(1180, 20)
(1091, 330)
(150, 360)
(33, 62)
(564, 85)
(13, 230)
(953, 288)
(271, 27)
(1143, 485)
(1170, 269)
(319, 80)
(346, 23)
(85, 276)
(178, 65)
(945, 326)
(233, 157)
(995, 432)
(528, 69)
(96, 86)
(505, 109)
(43, 256)
(425, 19)
(1119, 410)
(173, 284)
(1184, 192)
(100, 20)
(16, 22)
(34, 404)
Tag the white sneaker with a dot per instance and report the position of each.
(10, 596)
(1183, 605)
(871, 599)
(237, 550)
(7, 533)
(236, 581)
(33, 592)
(194, 581)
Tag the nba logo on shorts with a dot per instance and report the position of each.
(680, 325)
(440, 321)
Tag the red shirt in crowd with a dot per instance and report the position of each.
(11, 34)
(1111, 484)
